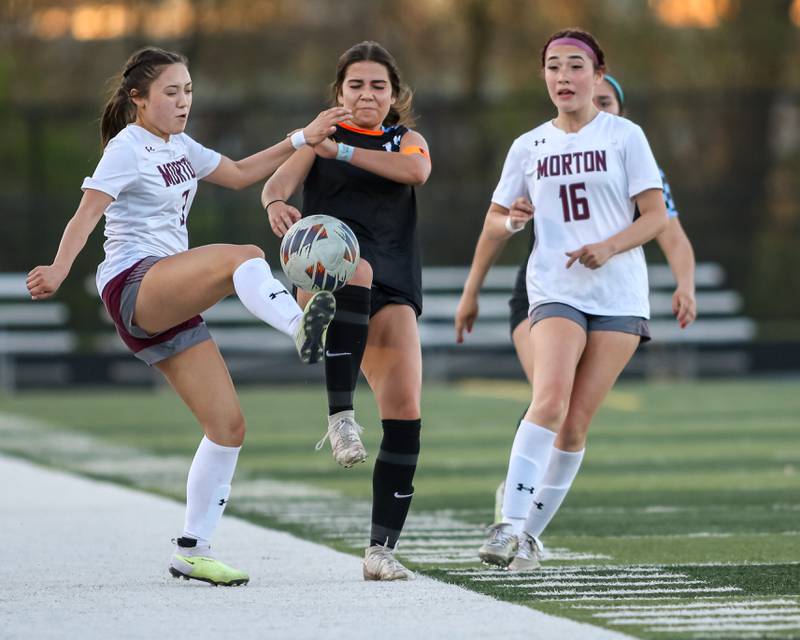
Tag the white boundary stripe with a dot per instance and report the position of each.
(720, 611)
(114, 544)
(672, 622)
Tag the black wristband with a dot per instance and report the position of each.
(266, 208)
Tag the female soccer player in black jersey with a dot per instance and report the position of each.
(365, 175)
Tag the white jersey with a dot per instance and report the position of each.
(153, 184)
(581, 186)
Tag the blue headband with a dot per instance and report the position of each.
(617, 89)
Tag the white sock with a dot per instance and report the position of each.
(208, 488)
(529, 454)
(558, 478)
(265, 297)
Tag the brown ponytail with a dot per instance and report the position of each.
(139, 72)
(368, 51)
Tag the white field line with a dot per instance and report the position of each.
(672, 622)
(696, 605)
(718, 627)
(598, 569)
(535, 589)
(515, 577)
(699, 613)
(547, 584)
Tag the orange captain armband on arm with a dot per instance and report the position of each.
(414, 149)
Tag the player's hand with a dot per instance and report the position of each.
(520, 213)
(684, 306)
(281, 217)
(327, 149)
(466, 315)
(324, 124)
(44, 281)
(591, 256)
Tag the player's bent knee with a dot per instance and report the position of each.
(363, 274)
(250, 251)
(549, 413)
(401, 409)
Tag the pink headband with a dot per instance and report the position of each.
(574, 42)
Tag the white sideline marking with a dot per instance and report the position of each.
(671, 623)
(717, 627)
(695, 605)
(720, 611)
(533, 588)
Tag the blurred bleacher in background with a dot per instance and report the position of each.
(38, 349)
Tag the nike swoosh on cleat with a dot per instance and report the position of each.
(328, 354)
(399, 495)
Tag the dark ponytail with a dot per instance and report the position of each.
(139, 72)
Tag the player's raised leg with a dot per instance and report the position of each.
(393, 367)
(180, 286)
(213, 401)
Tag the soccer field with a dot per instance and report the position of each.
(683, 523)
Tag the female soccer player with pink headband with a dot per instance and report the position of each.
(580, 177)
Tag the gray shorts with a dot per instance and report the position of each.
(119, 297)
(622, 324)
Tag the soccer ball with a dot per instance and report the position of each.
(319, 253)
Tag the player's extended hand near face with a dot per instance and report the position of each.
(591, 256)
(281, 217)
(684, 306)
(324, 124)
(44, 281)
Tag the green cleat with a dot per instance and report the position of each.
(195, 563)
(313, 327)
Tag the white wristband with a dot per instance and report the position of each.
(298, 139)
(510, 226)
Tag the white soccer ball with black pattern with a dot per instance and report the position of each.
(319, 253)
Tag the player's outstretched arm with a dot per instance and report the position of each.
(237, 174)
(411, 166)
(487, 250)
(43, 281)
(280, 187)
(679, 253)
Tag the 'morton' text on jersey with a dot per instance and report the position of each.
(177, 171)
(567, 164)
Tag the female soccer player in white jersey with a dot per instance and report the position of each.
(154, 286)
(675, 244)
(580, 177)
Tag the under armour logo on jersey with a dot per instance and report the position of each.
(522, 487)
(272, 296)
(222, 502)
(539, 505)
(536, 143)
(149, 148)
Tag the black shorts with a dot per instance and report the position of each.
(380, 296)
(518, 303)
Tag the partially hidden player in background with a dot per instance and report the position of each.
(365, 175)
(674, 242)
(154, 286)
(580, 177)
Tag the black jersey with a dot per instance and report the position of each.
(382, 213)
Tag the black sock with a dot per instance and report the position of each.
(344, 346)
(392, 479)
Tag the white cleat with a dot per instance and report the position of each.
(380, 564)
(344, 433)
(501, 545)
(528, 555)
